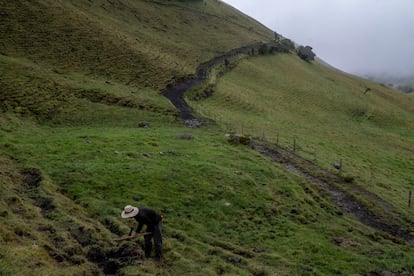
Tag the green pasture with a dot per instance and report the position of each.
(219, 200)
(330, 116)
(78, 81)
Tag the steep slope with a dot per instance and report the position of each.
(144, 43)
(327, 116)
(85, 131)
(42, 228)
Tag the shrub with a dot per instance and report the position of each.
(280, 45)
(264, 49)
(239, 139)
(305, 53)
(283, 46)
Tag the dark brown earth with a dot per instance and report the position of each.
(175, 93)
(352, 199)
(69, 242)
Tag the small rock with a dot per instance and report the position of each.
(192, 123)
(234, 260)
(257, 249)
(143, 124)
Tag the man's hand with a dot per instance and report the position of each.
(132, 226)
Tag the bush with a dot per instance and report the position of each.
(283, 46)
(305, 53)
(264, 49)
(239, 139)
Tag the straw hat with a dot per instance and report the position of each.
(129, 211)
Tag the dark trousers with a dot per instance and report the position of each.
(157, 236)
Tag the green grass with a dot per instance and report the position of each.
(77, 78)
(141, 43)
(216, 206)
(329, 116)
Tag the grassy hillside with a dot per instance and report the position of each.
(49, 50)
(78, 78)
(331, 116)
(223, 214)
(144, 43)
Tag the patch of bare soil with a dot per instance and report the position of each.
(112, 259)
(74, 243)
(31, 177)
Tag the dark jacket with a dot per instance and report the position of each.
(148, 217)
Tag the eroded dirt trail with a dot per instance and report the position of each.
(175, 93)
(344, 194)
(350, 198)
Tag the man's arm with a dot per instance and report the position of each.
(139, 228)
(131, 227)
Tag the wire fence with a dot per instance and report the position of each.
(273, 136)
(267, 134)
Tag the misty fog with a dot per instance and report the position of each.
(369, 37)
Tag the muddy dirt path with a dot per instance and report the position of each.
(351, 199)
(175, 93)
(344, 194)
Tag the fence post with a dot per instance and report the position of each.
(294, 144)
(370, 174)
(409, 198)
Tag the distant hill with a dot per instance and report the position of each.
(404, 83)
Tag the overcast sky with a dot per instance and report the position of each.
(357, 36)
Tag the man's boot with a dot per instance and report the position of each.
(158, 256)
(148, 248)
